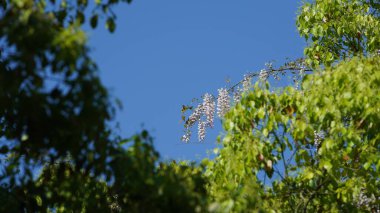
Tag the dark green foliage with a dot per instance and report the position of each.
(139, 184)
(142, 184)
(57, 150)
(52, 103)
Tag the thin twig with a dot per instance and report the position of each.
(271, 71)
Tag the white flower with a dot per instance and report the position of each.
(318, 137)
(263, 75)
(363, 200)
(201, 130)
(223, 102)
(209, 109)
(195, 116)
(186, 136)
(237, 96)
(296, 82)
(246, 83)
(269, 164)
(269, 65)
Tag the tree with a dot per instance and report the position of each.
(321, 142)
(316, 148)
(313, 148)
(54, 121)
(50, 90)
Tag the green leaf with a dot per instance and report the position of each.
(308, 175)
(367, 165)
(94, 21)
(328, 143)
(110, 24)
(80, 17)
(38, 200)
(326, 164)
(4, 149)
(265, 132)
(261, 113)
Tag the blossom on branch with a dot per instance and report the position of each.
(201, 130)
(223, 102)
(237, 95)
(246, 82)
(263, 75)
(186, 136)
(209, 109)
(195, 116)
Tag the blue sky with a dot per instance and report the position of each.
(165, 53)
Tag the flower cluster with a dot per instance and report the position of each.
(318, 137)
(195, 116)
(264, 74)
(247, 82)
(201, 130)
(237, 95)
(209, 109)
(186, 136)
(204, 113)
(223, 102)
(204, 110)
(364, 200)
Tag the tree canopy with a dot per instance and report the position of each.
(321, 142)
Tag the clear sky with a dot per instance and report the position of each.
(165, 53)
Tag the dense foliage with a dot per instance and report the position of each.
(49, 82)
(339, 29)
(321, 143)
(313, 148)
(58, 151)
